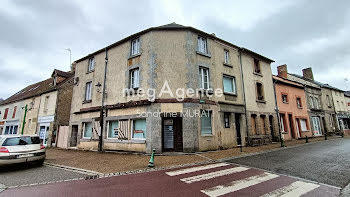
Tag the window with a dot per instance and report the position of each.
(91, 66)
(139, 131)
(227, 119)
(284, 98)
(311, 101)
(226, 56)
(113, 129)
(229, 84)
(328, 101)
(11, 130)
(46, 102)
(316, 103)
(135, 47)
(257, 66)
(87, 127)
(14, 112)
(134, 78)
(202, 45)
(204, 78)
(6, 113)
(331, 121)
(259, 92)
(303, 124)
(206, 122)
(263, 125)
(299, 103)
(88, 91)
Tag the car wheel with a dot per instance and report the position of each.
(40, 162)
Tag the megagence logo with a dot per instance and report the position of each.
(180, 93)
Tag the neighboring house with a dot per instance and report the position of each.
(347, 120)
(42, 105)
(341, 110)
(292, 107)
(177, 56)
(347, 99)
(259, 98)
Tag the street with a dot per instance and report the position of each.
(315, 169)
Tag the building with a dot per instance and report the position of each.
(292, 107)
(170, 57)
(39, 108)
(341, 110)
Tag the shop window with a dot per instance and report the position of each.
(206, 128)
(113, 129)
(139, 129)
(87, 130)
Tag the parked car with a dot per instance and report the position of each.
(21, 149)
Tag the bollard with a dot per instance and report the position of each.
(241, 147)
(342, 134)
(151, 160)
(282, 143)
(307, 139)
(325, 136)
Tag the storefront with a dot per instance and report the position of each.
(44, 127)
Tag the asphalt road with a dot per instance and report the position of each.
(326, 162)
(29, 174)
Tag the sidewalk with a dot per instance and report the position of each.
(109, 162)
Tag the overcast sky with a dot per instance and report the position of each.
(35, 34)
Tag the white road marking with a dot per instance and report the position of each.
(239, 184)
(213, 174)
(2, 187)
(195, 169)
(297, 188)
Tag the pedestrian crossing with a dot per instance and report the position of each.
(220, 179)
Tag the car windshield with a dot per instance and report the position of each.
(24, 140)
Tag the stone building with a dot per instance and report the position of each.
(170, 57)
(39, 108)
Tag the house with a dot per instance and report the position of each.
(292, 106)
(164, 62)
(39, 108)
(341, 110)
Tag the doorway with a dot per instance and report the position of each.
(43, 133)
(291, 126)
(74, 136)
(238, 129)
(271, 127)
(316, 125)
(172, 134)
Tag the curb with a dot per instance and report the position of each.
(72, 169)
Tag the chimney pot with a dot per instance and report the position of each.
(282, 71)
(307, 73)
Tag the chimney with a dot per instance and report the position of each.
(307, 73)
(282, 71)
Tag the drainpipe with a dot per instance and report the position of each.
(100, 142)
(24, 118)
(278, 114)
(244, 98)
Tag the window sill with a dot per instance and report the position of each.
(260, 101)
(230, 93)
(131, 91)
(126, 141)
(91, 71)
(258, 74)
(300, 107)
(87, 101)
(284, 132)
(209, 91)
(228, 65)
(133, 56)
(285, 102)
(207, 135)
(203, 54)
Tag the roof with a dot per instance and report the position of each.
(172, 26)
(347, 93)
(62, 73)
(317, 82)
(35, 89)
(287, 81)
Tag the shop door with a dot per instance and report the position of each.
(172, 134)
(43, 132)
(317, 126)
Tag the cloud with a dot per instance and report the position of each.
(299, 33)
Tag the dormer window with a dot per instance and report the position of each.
(135, 47)
(91, 66)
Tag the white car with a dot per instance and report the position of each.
(21, 149)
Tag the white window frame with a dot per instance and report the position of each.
(202, 45)
(301, 127)
(226, 56)
(282, 123)
(88, 91)
(233, 80)
(91, 64)
(284, 96)
(134, 78)
(135, 47)
(202, 71)
(84, 127)
(299, 105)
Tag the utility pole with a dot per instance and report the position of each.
(24, 118)
(102, 111)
